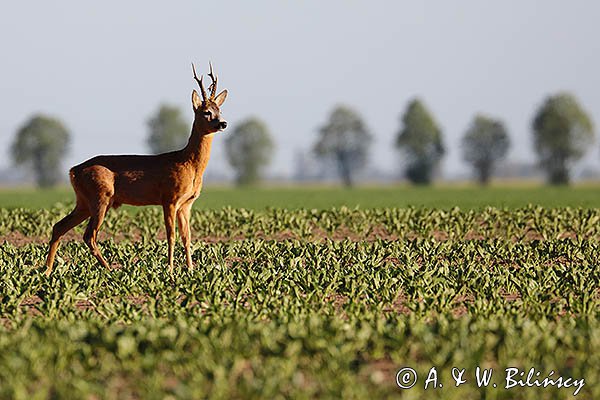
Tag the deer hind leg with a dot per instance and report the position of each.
(169, 211)
(75, 217)
(183, 220)
(91, 232)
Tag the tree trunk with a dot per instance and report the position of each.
(558, 171)
(344, 169)
(484, 172)
(559, 176)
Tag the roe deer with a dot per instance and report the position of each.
(173, 180)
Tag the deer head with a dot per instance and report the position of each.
(207, 113)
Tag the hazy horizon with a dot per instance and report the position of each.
(104, 68)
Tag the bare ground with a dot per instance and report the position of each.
(18, 239)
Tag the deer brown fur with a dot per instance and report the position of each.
(172, 180)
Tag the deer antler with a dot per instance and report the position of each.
(203, 92)
(213, 85)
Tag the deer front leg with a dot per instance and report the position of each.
(183, 220)
(169, 214)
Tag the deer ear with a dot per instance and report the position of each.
(196, 100)
(221, 98)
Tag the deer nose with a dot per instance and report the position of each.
(223, 124)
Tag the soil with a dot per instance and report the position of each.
(317, 234)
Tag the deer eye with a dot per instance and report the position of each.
(207, 114)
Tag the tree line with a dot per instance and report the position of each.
(562, 133)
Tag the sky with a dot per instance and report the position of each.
(105, 67)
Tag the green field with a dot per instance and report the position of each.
(308, 302)
(324, 197)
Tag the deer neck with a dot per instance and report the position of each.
(197, 150)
